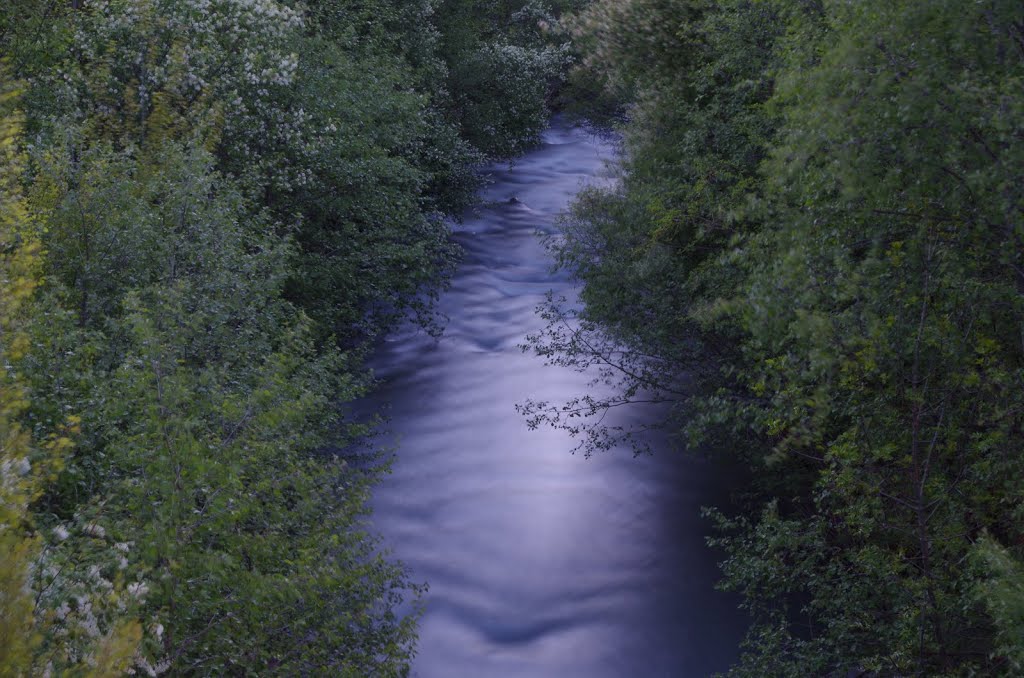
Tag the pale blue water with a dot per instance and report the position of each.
(540, 563)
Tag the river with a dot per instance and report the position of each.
(540, 563)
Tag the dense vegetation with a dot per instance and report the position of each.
(210, 211)
(814, 258)
(813, 262)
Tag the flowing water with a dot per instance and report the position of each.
(540, 563)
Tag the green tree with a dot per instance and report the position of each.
(205, 403)
(27, 467)
(221, 205)
(814, 251)
(658, 252)
(503, 62)
(885, 312)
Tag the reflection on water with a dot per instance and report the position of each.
(540, 563)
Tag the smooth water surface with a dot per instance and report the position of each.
(540, 563)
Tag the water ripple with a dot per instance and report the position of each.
(540, 563)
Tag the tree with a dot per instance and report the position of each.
(658, 252)
(206, 402)
(814, 251)
(219, 207)
(28, 643)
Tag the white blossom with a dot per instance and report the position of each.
(138, 589)
(94, 530)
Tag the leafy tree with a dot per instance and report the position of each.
(212, 209)
(208, 403)
(501, 68)
(895, 374)
(1000, 586)
(814, 253)
(18, 480)
(31, 639)
(658, 251)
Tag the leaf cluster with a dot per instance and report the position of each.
(817, 226)
(212, 209)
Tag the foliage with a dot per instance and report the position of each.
(1000, 586)
(18, 480)
(211, 210)
(653, 243)
(502, 58)
(31, 639)
(814, 253)
(247, 534)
